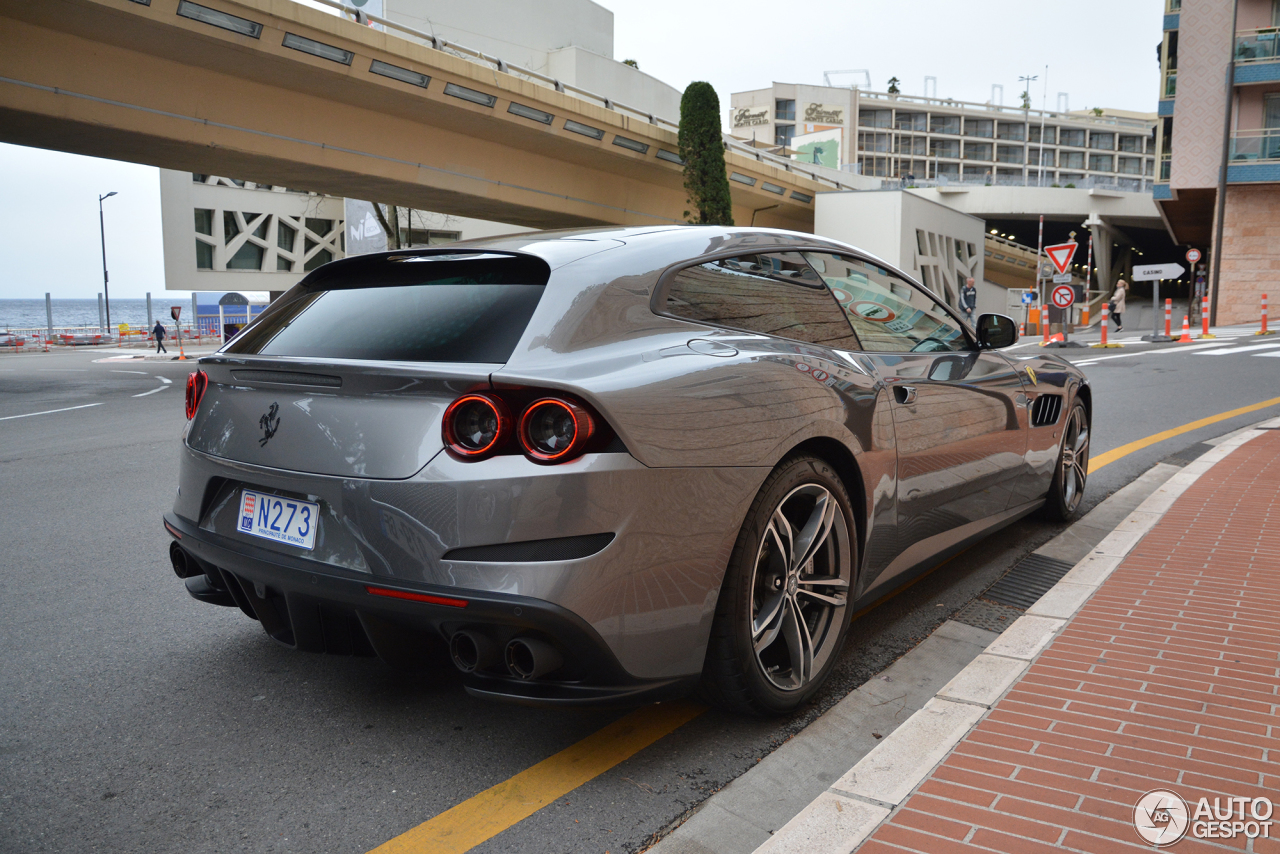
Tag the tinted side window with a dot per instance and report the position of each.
(775, 294)
(889, 315)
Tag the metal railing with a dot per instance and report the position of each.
(498, 64)
(1033, 116)
(1255, 145)
(1089, 182)
(1260, 45)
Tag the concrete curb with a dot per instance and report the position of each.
(844, 816)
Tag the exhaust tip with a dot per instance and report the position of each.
(472, 651)
(183, 567)
(530, 658)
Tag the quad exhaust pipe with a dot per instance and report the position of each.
(472, 651)
(524, 657)
(530, 658)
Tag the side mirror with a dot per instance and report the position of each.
(996, 331)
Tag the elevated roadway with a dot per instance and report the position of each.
(279, 93)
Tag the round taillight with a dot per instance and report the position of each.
(554, 430)
(197, 382)
(476, 425)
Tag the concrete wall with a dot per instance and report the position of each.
(571, 40)
(1055, 202)
(1205, 42)
(522, 32)
(914, 234)
(1250, 265)
(619, 82)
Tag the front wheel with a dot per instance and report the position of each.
(783, 609)
(1072, 470)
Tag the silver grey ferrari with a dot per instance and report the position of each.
(609, 465)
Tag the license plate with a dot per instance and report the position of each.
(285, 520)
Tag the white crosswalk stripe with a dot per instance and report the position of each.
(1223, 351)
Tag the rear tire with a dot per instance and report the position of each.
(1071, 473)
(783, 610)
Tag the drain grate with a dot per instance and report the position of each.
(987, 615)
(1030, 579)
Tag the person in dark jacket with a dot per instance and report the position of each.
(968, 299)
(158, 332)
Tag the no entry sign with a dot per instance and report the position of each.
(1063, 296)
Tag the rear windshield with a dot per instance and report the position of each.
(452, 308)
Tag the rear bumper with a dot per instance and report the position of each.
(334, 611)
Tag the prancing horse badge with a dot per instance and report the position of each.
(270, 423)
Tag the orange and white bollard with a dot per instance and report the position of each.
(1106, 320)
(1186, 330)
(1168, 318)
(1264, 331)
(1204, 318)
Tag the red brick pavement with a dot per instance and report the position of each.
(1168, 677)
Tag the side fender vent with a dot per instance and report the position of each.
(1045, 410)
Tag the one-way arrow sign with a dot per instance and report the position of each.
(1155, 272)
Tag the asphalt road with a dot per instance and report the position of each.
(133, 718)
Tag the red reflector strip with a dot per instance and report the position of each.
(172, 530)
(417, 597)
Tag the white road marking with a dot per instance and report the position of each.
(153, 391)
(144, 373)
(50, 411)
(1274, 353)
(164, 380)
(1193, 348)
(1224, 350)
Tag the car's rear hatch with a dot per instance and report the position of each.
(349, 373)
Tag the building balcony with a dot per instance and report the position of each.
(1257, 56)
(1255, 145)
(1257, 45)
(1254, 156)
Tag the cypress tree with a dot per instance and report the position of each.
(702, 149)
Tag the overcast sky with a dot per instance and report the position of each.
(1101, 52)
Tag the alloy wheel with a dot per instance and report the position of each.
(1075, 458)
(800, 587)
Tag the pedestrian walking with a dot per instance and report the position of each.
(158, 332)
(1116, 305)
(969, 299)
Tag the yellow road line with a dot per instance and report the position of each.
(494, 810)
(498, 808)
(1124, 450)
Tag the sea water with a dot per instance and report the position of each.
(30, 313)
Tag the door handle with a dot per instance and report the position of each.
(904, 394)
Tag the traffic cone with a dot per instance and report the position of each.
(1022, 330)
(1186, 331)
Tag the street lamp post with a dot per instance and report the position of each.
(102, 231)
(1025, 80)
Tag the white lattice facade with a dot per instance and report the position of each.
(222, 234)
